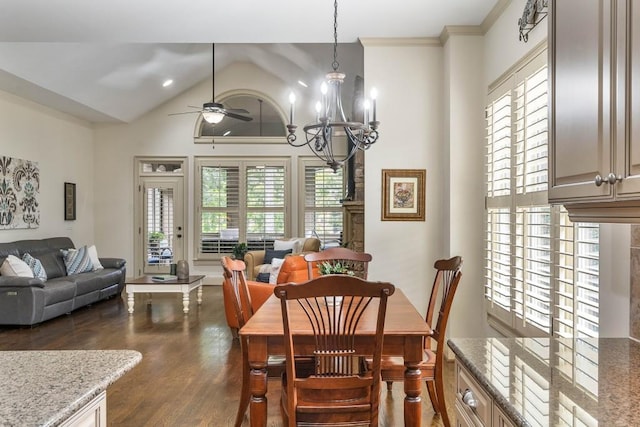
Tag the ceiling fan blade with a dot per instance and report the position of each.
(236, 110)
(193, 106)
(238, 116)
(184, 112)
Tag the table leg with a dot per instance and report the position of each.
(258, 354)
(412, 400)
(258, 386)
(185, 302)
(199, 293)
(130, 301)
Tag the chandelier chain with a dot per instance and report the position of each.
(335, 63)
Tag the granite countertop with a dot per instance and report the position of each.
(44, 388)
(551, 382)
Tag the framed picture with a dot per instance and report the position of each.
(69, 201)
(403, 194)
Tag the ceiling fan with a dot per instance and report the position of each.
(214, 112)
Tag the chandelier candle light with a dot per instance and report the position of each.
(331, 124)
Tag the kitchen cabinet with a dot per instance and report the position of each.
(93, 414)
(473, 405)
(594, 129)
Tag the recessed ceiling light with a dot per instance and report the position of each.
(301, 83)
(226, 133)
(167, 82)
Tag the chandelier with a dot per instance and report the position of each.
(331, 125)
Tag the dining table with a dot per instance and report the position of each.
(404, 331)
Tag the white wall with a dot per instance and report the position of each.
(408, 76)
(465, 179)
(63, 148)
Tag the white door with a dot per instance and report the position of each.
(162, 233)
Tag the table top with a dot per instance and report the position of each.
(146, 280)
(402, 318)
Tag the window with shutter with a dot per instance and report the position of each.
(239, 200)
(323, 192)
(541, 270)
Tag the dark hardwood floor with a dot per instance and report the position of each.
(189, 374)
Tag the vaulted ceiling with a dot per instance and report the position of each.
(106, 61)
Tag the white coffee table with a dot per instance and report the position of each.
(145, 284)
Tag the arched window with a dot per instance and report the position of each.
(267, 121)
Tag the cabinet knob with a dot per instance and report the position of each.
(613, 178)
(469, 399)
(609, 179)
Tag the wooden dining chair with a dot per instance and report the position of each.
(234, 272)
(343, 258)
(448, 274)
(338, 392)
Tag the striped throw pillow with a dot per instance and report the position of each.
(77, 260)
(36, 266)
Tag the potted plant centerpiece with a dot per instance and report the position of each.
(336, 267)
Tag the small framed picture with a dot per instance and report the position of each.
(403, 194)
(69, 201)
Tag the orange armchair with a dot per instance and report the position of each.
(293, 269)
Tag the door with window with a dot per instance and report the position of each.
(160, 212)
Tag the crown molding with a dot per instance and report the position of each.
(494, 14)
(459, 30)
(399, 41)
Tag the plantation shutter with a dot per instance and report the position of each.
(265, 192)
(323, 191)
(541, 270)
(220, 209)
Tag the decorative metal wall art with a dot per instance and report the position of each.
(19, 190)
(534, 12)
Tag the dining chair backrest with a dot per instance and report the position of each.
(334, 307)
(347, 259)
(234, 273)
(445, 284)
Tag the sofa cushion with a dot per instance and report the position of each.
(283, 245)
(58, 290)
(276, 263)
(90, 281)
(93, 254)
(14, 266)
(77, 260)
(263, 277)
(36, 266)
(52, 263)
(270, 254)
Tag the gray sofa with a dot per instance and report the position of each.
(27, 301)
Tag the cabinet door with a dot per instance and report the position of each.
(580, 140)
(628, 104)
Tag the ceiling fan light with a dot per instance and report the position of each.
(212, 117)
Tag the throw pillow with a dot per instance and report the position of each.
(93, 254)
(36, 266)
(283, 245)
(270, 254)
(14, 266)
(77, 260)
(263, 277)
(276, 263)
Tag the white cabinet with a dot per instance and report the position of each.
(93, 414)
(594, 138)
(474, 407)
